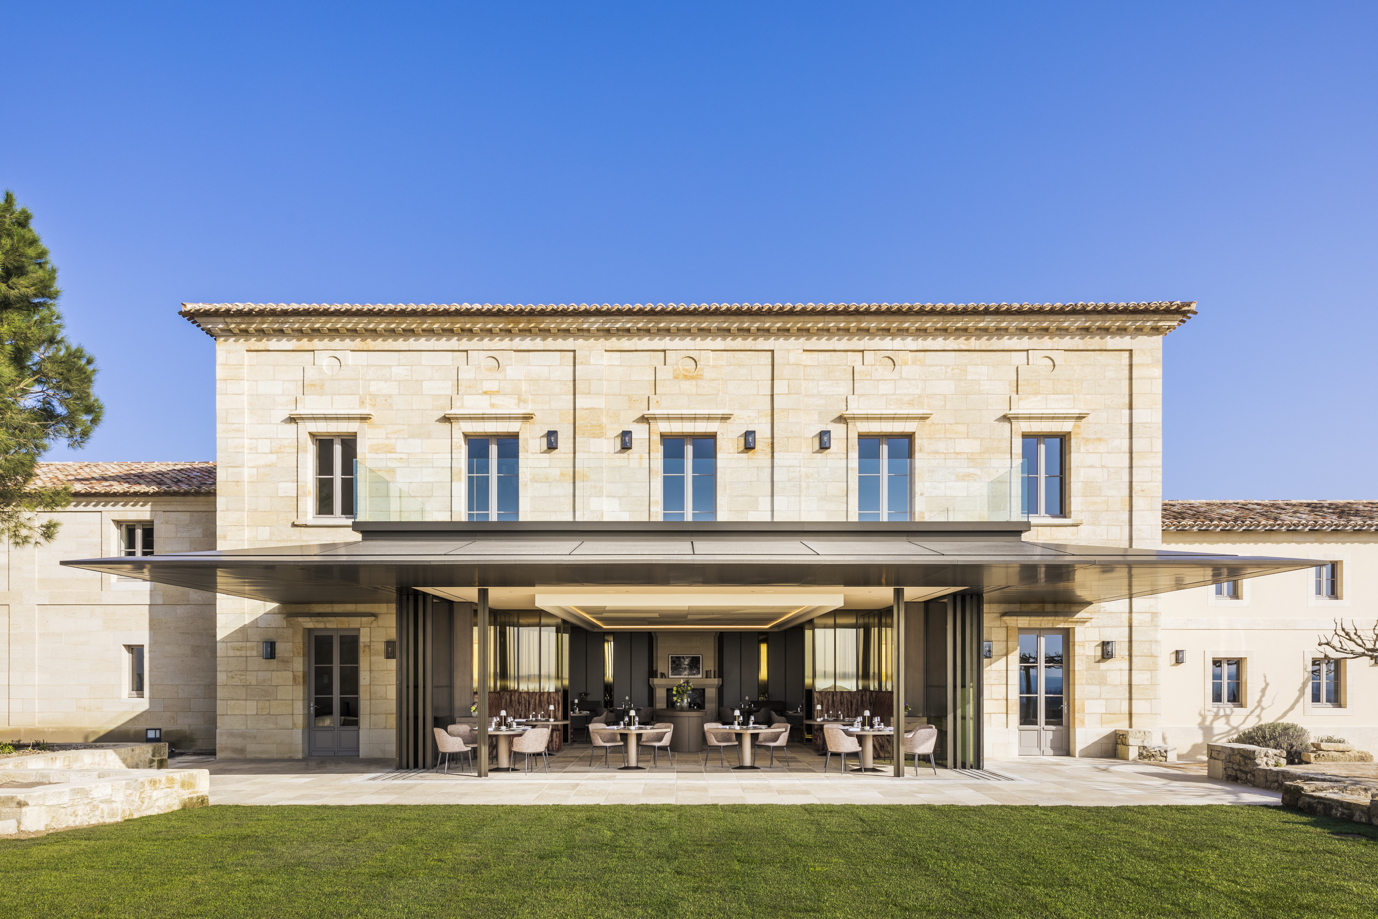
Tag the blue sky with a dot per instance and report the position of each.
(605, 152)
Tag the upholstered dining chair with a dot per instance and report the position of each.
(658, 742)
(466, 731)
(533, 743)
(838, 742)
(776, 740)
(448, 744)
(921, 741)
(714, 736)
(600, 735)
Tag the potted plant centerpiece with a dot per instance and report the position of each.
(681, 693)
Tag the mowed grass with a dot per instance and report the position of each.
(673, 861)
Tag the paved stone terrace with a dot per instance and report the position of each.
(1052, 781)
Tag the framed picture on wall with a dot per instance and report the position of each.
(683, 666)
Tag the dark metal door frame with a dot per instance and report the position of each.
(337, 677)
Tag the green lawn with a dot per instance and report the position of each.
(668, 861)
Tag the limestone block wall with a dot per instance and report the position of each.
(412, 397)
(1273, 628)
(62, 646)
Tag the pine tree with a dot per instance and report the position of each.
(45, 382)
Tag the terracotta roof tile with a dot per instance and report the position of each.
(1270, 515)
(196, 310)
(130, 478)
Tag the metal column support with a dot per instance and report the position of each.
(897, 672)
(483, 678)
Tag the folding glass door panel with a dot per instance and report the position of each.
(1042, 693)
(333, 705)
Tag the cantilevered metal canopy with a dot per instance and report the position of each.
(786, 572)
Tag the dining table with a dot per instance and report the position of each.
(746, 752)
(504, 741)
(868, 747)
(631, 750)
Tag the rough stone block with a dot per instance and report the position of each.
(1326, 756)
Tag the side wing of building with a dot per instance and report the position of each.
(93, 657)
(1250, 649)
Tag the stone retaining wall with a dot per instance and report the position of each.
(1245, 764)
(92, 756)
(84, 787)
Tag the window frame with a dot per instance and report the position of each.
(138, 528)
(1325, 584)
(1235, 590)
(493, 513)
(885, 477)
(1224, 682)
(1040, 476)
(136, 671)
(1335, 682)
(688, 514)
(338, 476)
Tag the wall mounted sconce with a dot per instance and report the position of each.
(625, 440)
(270, 650)
(153, 735)
(1179, 657)
(390, 650)
(825, 440)
(987, 648)
(1107, 650)
(749, 440)
(552, 440)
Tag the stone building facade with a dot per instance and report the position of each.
(74, 641)
(409, 384)
(1268, 630)
(331, 418)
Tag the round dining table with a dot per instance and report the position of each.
(746, 753)
(504, 740)
(631, 751)
(868, 747)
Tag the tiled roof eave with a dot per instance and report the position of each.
(225, 319)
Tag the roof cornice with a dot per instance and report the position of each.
(221, 320)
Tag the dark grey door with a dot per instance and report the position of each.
(333, 705)
(1042, 693)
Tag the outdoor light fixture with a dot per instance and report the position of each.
(1179, 657)
(153, 735)
(625, 441)
(390, 650)
(1107, 650)
(270, 650)
(986, 649)
(749, 440)
(552, 440)
(825, 440)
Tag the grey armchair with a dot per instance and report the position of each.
(838, 742)
(919, 742)
(714, 736)
(602, 736)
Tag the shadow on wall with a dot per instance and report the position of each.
(1223, 723)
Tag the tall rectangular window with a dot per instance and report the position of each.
(689, 478)
(1327, 581)
(1228, 590)
(1325, 682)
(135, 654)
(335, 476)
(1226, 675)
(883, 478)
(1043, 470)
(493, 478)
(136, 538)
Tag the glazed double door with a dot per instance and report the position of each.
(1043, 693)
(333, 703)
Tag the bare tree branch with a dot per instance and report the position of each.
(1349, 642)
